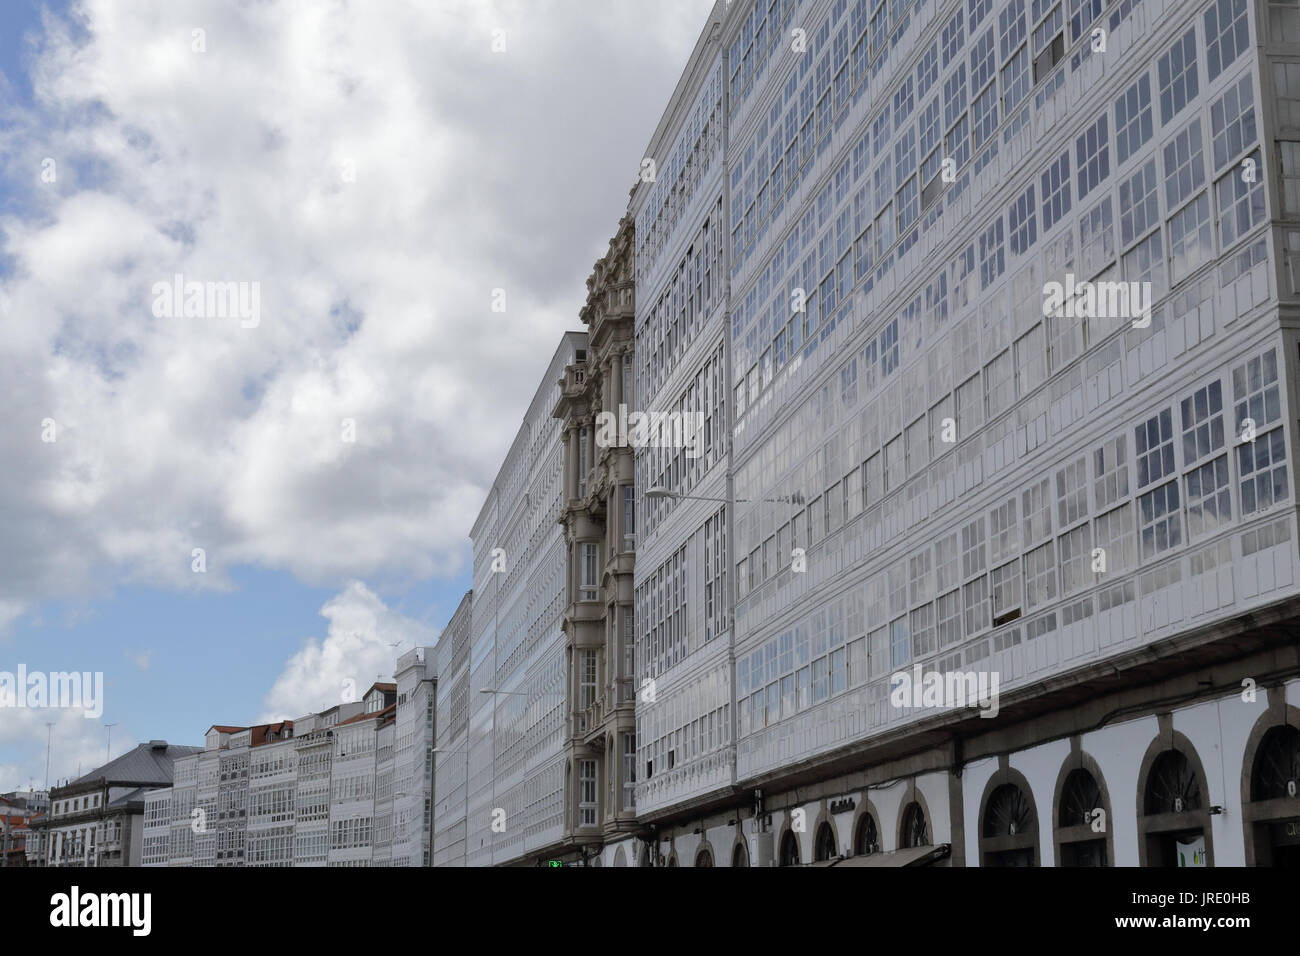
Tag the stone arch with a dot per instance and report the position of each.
(620, 858)
(913, 797)
(823, 818)
(787, 840)
(826, 841)
(1008, 803)
(1159, 827)
(867, 818)
(740, 852)
(1067, 834)
(1258, 816)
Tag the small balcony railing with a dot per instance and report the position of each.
(626, 688)
(594, 714)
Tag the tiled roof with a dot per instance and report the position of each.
(133, 799)
(391, 708)
(148, 763)
(283, 730)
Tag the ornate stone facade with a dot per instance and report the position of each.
(599, 522)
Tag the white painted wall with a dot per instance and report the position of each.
(1040, 766)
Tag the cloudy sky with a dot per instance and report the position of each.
(374, 171)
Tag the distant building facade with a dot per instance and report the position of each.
(415, 735)
(451, 754)
(18, 810)
(517, 776)
(353, 767)
(98, 819)
(157, 827)
(271, 798)
(313, 746)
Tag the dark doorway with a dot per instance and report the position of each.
(789, 849)
(1085, 853)
(1173, 848)
(916, 832)
(825, 845)
(867, 840)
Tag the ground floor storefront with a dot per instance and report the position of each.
(1173, 766)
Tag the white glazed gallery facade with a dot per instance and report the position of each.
(1156, 685)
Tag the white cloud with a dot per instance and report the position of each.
(77, 745)
(473, 170)
(364, 641)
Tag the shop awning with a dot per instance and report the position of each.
(912, 856)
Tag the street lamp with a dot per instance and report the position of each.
(49, 743)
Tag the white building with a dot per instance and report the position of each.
(385, 788)
(207, 793)
(184, 801)
(314, 747)
(942, 469)
(515, 810)
(156, 846)
(353, 777)
(232, 800)
(451, 757)
(412, 786)
(272, 775)
(329, 789)
(684, 715)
